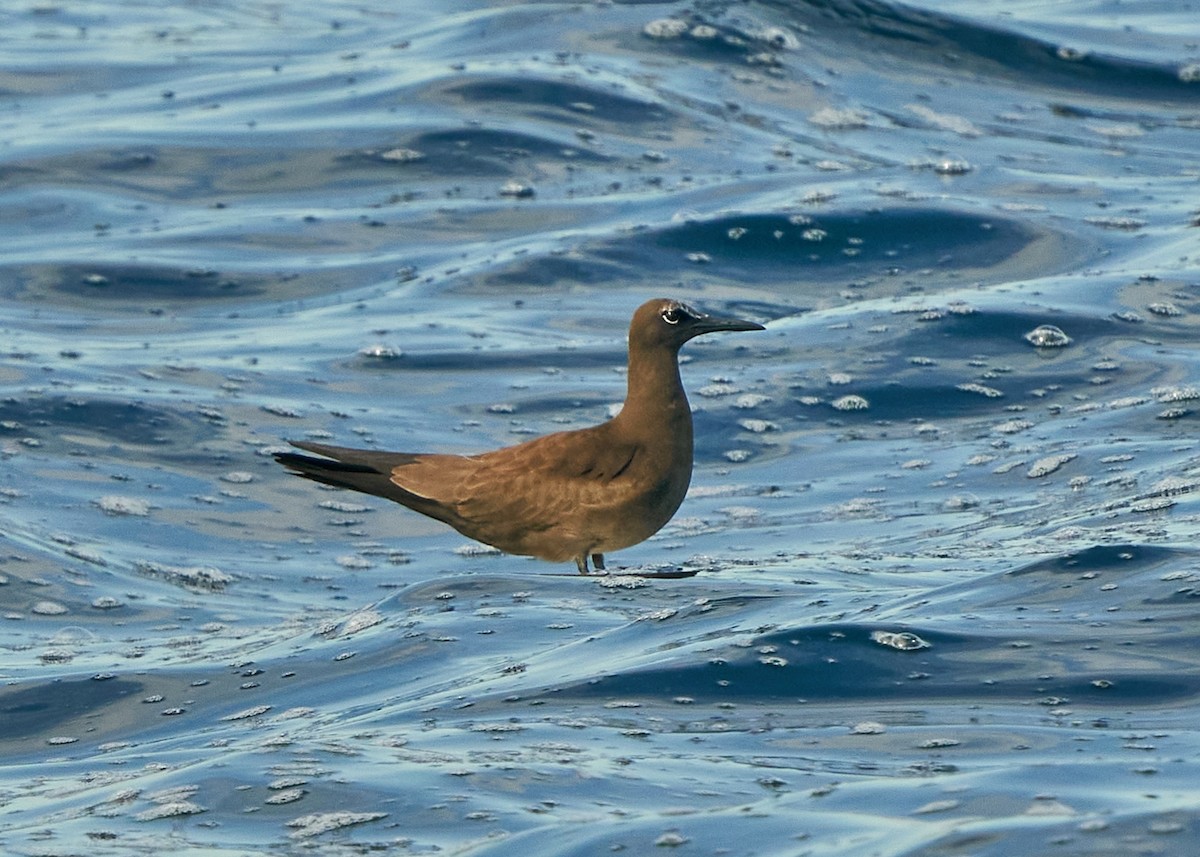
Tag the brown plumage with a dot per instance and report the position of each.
(568, 495)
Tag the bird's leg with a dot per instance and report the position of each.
(581, 562)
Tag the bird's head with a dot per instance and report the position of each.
(670, 323)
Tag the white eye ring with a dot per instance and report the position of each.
(672, 315)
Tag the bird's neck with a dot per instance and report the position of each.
(655, 397)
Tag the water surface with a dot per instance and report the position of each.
(947, 586)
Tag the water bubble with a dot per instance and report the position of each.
(516, 190)
(1168, 310)
(902, 640)
(289, 796)
(851, 403)
(282, 411)
(1127, 224)
(758, 426)
(247, 713)
(1047, 336)
(1049, 464)
(1013, 426)
(868, 727)
(172, 809)
(716, 390)
(287, 783)
(49, 608)
(339, 506)
(665, 28)
(972, 387)
(475, 549)
(952, 167)
(835, 119)
(671, 839)
(380, 352)
(818, 195)
(112, 504)
(763, 58)
(778, 37)
(938, 743)
(196, 577)
(1152, 504)
(401, 156)
(746, 401)
(1168, 395)
(323, 822)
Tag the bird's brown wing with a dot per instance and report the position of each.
(511, 496)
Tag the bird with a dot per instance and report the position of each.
(564, 496)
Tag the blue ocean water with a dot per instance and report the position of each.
(947, 589)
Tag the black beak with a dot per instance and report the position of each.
(715, 323)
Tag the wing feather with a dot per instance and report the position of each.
(510, 497)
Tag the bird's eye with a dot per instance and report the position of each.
(672, 315)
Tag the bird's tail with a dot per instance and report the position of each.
(356, 469)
